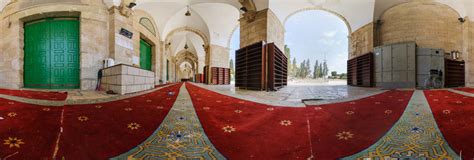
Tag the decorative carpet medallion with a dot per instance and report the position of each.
(414, 136)
(133, 126)
(344, 135)
(285, 123)
(180, 136)
(11, 114)
(13, 142)
(228, 129)
(82, 118)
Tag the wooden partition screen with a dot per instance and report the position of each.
(214, 75)
(261, 66)
(360, 71)
(206, 73)
(455, 73)
(249, 67)
(219, 76)
(199, 78)
(277, 68)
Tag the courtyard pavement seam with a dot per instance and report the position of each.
(461, 92)
(277, 103)
(322, 102)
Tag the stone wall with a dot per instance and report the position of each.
(275, 30)
(153, 39)
(361, 41)
(122, 48)
(172, 67)
(124, 79)
(266, 27)
(99, 38)
(469, 57)
(219, 56)
(93, 28)
(429, 24)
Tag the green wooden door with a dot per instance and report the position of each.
(52, 54)
(145, 55)
(167, 70)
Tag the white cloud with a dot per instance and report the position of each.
(330, 34)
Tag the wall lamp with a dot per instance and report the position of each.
(131, 5)
(244, 9)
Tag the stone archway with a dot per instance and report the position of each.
(321, 9)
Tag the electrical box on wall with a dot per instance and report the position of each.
(404, 65)
(395, 65)
(429, 62)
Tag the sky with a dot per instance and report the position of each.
(314, 35)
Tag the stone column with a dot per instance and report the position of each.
(121, 48)
(264, 27)
(220, 56)
(468, 51)
(11, 54)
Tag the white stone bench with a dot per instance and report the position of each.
(124, 79)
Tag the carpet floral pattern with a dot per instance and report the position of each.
(454, 114)
(93, 131)
(189, 122)
(180, 136)
(414, 136)
(241, 129)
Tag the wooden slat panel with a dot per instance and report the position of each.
(455, 73)
(360, 71)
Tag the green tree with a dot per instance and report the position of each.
(307, 69)
(325, 69)
(343, 76)
(320, 70)
(294, 68)
(232, 69)
(315, 70)
(334, 74)
(317, 74)
(301, 70)
(288, 56)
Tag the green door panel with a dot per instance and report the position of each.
(64, 54)
(145, 55)
(37, 61)
(52, 54)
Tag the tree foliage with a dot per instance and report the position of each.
(304, 70)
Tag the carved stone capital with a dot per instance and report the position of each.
(251, 10)
(124, 9)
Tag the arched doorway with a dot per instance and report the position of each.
(234, 45)
(317, 47)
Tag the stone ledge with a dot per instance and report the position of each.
(124, 79)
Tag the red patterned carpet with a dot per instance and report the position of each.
(98, 131)
(454, 114)
(52, 96)
(246, 130)
(241, 129)
(27, 131)
(343, 129)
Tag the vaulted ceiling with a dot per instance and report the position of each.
(217, 19)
